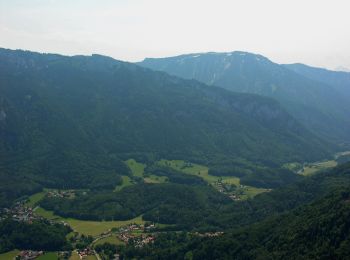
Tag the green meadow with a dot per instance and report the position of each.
(313, 168)
(202, 171)
(35, 198)
(48, 256)
(111, 239)
(136, 168)
(85, 227)
(9, 255)
(155, 179)
(125, 183)
(74, 256)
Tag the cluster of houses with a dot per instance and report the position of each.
(136, 227)
(68, 194)
(28, 255)
(229, 190)
(209, 234)
(20, 212)
(127, 233)
(139, 241)
(83, 254)
(126, 237)
(144, 240)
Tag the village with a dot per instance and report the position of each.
(138, 234)
(67, 194)
(19, 212)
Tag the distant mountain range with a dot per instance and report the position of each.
(316, 97)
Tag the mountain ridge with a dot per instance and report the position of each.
(316, 104)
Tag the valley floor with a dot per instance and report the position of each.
(118, 232)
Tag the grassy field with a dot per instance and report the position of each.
(190, 168)
(9, 255)
(250, 192)
(230, 180)
(48, 256)
(74, 256)
(126, 182)
(111, 239)
(202, 171)
(313, 168)
(136, 168)
(85, 227)
(295, 167)
(155, 179)
(35, 198)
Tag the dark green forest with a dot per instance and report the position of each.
(319, 230)
(39, 235)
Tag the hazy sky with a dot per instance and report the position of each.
(316, 32)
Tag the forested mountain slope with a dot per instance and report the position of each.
(64, 118)
(318, 104)
(340, 80)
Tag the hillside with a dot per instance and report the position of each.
(340, 80)
(315, 229)
(68, 121)
(193, 205)
(319, 105)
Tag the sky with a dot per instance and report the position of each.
(315, 32)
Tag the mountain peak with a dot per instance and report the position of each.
(217, 55)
